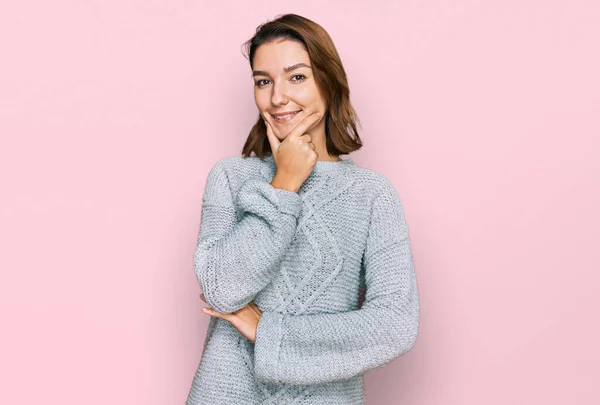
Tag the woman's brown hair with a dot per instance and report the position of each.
(340, 120)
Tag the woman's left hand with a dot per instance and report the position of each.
(244, 319)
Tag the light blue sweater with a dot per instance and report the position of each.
(331, 269)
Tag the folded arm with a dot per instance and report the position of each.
(317, 348)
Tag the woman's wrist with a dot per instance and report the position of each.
(284, 183)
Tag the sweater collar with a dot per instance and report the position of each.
(320, 167)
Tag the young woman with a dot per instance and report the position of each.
(304, 258)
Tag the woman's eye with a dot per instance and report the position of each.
(259, 83)
(302, 77)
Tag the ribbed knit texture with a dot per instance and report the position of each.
(331, 269)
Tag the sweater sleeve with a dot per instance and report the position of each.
(324, 347)
(242, 238)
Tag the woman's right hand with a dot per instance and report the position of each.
(295, 156)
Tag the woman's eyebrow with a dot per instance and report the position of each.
(285, 69)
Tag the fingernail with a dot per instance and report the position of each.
(204, 310)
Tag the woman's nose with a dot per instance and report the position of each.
(279, 95)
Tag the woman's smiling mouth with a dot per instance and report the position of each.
(281, 119)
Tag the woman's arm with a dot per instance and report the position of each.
(234, 260)
(317, 348)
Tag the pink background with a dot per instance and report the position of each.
(484, 114)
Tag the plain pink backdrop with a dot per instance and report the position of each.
(485, 115)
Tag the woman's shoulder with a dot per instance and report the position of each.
(233, 170)
(227, 175)
(238, 163)
(238, 167)
(372, 183)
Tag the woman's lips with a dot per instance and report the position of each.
(285, 118)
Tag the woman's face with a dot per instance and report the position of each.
(284, 83)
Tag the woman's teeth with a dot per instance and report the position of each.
(286, 117)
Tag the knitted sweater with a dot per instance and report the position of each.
(331, 269)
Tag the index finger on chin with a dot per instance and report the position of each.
(303, 125)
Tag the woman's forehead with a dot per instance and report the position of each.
(274, 56)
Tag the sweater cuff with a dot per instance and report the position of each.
(267, 345)
(255, 192)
